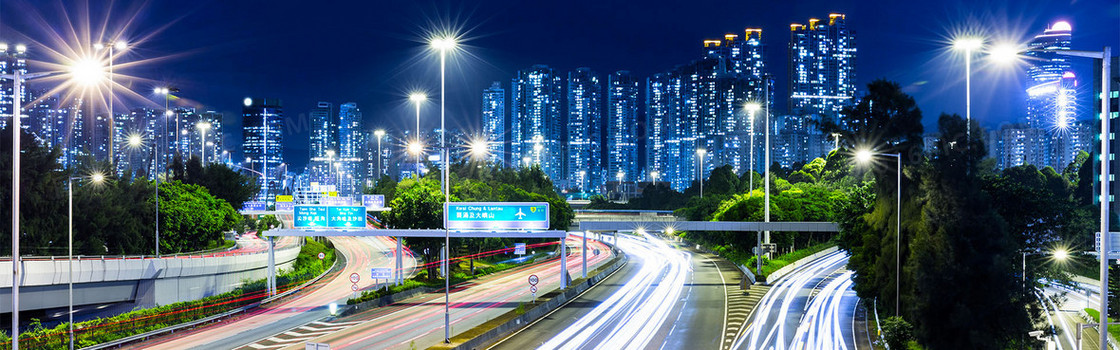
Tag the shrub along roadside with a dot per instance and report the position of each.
(107, 329)
(746, 258)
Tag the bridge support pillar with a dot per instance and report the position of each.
(585, 255)
(563, 263)
(400, 272)
(271, 266)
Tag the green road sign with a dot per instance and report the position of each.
(496, 216)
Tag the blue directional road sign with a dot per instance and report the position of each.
(316, 216)
(373, 201)
(381, 273)
(346, 217)
(254, 206)
(310, 216)
(496, 216)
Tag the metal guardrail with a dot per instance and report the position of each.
(191, 324)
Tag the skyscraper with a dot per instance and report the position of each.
(350, 145)
(1050, 96)
(699, 105)
(621, 127)
(821, 67)
(324, 130)
(11, 60)
(585, 163)
(262, 122)
(206, 140)
(494, 122)
(536, 126)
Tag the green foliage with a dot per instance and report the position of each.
(385, 186)
(267, 222)
(42, 199)
(192, 219)
(897, 332)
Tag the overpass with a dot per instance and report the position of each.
(143, 280)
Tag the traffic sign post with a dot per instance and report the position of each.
(322, 256)
(533, 279)
(354, 278)
(519, 248)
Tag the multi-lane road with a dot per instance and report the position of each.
(360, 254)
(666, 297)
(418, 322)
(811, 308)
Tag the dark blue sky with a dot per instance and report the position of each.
(372, 52)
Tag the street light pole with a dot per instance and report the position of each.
(1105, 55)
(379, 134)
(766, 162)
(17, 92)
(444, 44)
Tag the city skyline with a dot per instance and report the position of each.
(491, 58)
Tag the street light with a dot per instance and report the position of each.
(621, 192)
(95, 178)
(1060, 254)
(82, 71)
(134, 143)
(1007, 53)
(968, 45)
(479, 149)
(203, 127)
(752, 108)
(443, 45)
(119, 46)
(864, 156)
(380, 134)
(701, 153)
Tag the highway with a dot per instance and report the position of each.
(418, 322)
(635, 309)
(811, 308)
(360, 253)
(1062, 314)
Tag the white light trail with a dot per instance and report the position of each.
(639, 308)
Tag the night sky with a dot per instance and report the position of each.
(374, 52)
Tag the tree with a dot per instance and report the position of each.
(384, 186)
(419, 205)
(191, 219)
(897, 332)
(231, 186)
(961, 240)
(42, 196)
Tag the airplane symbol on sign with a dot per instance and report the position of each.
(520, 214)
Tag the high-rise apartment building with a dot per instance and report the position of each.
(262, 122)
(585, 137)
(700, 106)
(494, 122)
(536, 125)
(350, 145)
(11, 60)
(324, 130)
(621, 128)
(821, 67)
